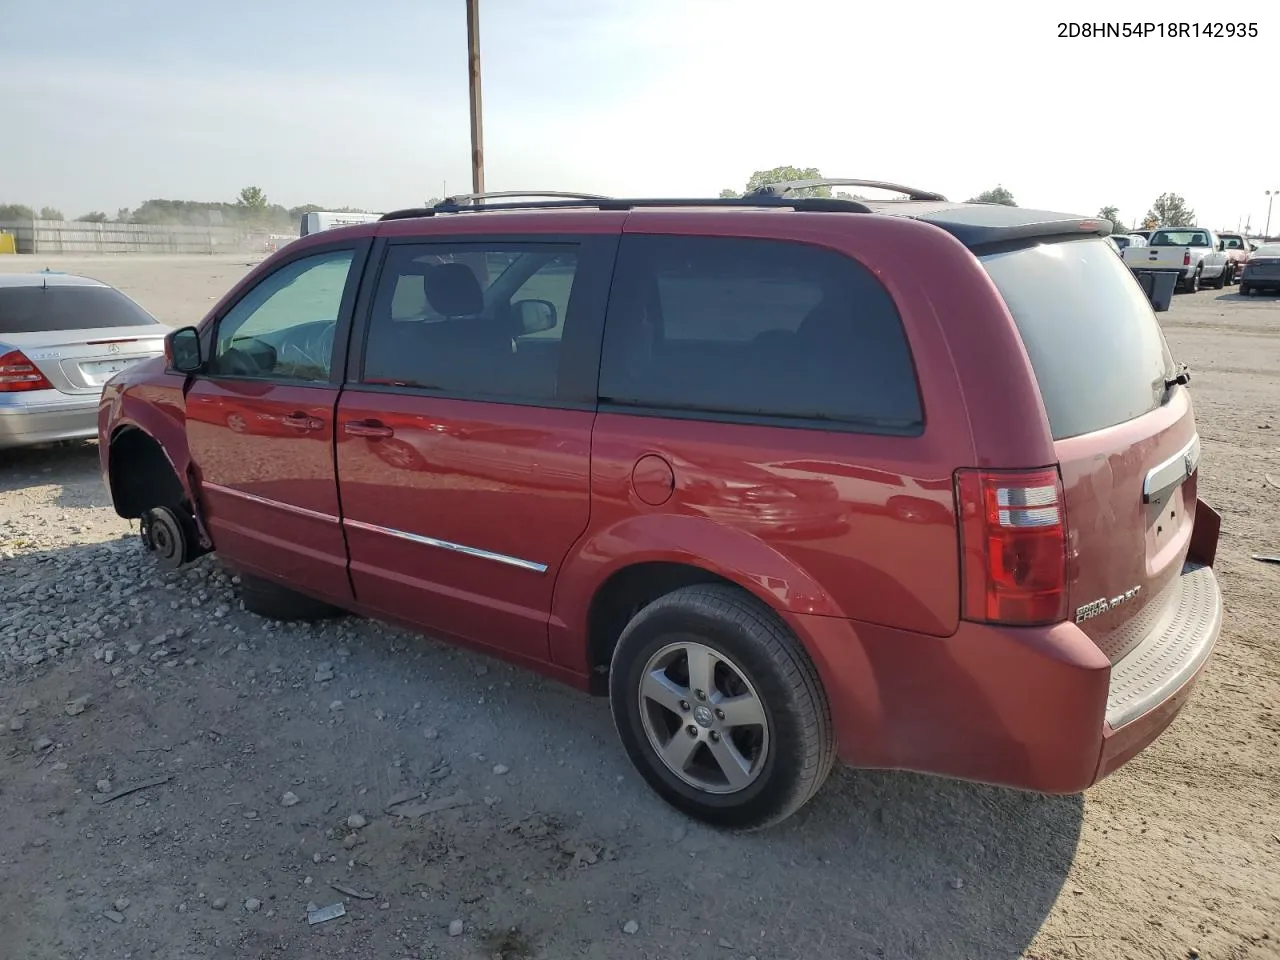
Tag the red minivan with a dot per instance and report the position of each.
(910, 483)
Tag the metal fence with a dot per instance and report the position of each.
(64, 236)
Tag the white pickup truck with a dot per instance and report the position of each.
(1195, 252)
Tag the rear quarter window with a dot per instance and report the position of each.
(733, 328)
(1097, 350)
(39, 309)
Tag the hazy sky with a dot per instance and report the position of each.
(105, 105)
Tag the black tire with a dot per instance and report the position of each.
(800, 737)
(1193, 284)
(1221, 280)
(1245, 290)
(275, 602)
(1231, 275)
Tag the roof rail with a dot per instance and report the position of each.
(811, 204)
(785, 187)
(459, 199)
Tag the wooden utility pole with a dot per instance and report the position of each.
(473, 68)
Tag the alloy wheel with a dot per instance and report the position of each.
(703, 717)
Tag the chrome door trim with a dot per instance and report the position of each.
(448, 545)
(264, 501)
(1165, 476)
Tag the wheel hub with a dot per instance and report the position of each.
(703, 718)
(163, 536)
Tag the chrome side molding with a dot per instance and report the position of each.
(529, 565)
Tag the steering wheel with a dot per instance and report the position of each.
(238, 363)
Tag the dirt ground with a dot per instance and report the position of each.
(267, 758)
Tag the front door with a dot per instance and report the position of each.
(260, 423)
(464, 434)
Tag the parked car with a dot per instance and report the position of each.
(1196, 252)
(1237, 248)
(828, 483)
(61, 338)
(1121, 241)
(1261, 270)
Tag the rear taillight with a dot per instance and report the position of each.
(1186, 258)
(1013, 543)
(17, 373)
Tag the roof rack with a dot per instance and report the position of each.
(811, 204)
(463, 198)
(786, 187)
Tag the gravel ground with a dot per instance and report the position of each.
(459, 808)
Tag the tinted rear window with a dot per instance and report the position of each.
(1180, 238)
(38, 309)
(1095, 345)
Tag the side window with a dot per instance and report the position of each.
(283, 328)
(756, 328)
(472, 319)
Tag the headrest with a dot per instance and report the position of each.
(453, 290)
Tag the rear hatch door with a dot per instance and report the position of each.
(1123, 430)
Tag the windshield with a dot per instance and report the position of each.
(1267, 250)
(59, 307)
(1098, 353)
(1180, 238)
(1232, 243)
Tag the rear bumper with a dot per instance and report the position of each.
(1034, 708)
(34, 418)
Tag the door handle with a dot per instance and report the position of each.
(301, 421)
(367, 428)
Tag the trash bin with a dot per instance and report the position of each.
(1158, 285)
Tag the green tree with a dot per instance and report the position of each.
(252, 199)
(94, 217)
(123, 215)
(1112, 214)
(1170, 210)
(297, 213)
(51, 213)
(729, 194)
(782, 174)
(16, 211)
(997, 194)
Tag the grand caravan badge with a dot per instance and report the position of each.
(1099, 607)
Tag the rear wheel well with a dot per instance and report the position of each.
(141, 476)
(624, 595)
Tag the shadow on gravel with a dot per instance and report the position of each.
(554, 842)
(70, 464)
(1261, 296)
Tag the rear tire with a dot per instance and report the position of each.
(270, 600)
(1245, 290)
(746, 766)
(1193, 284)
(1221, 280)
